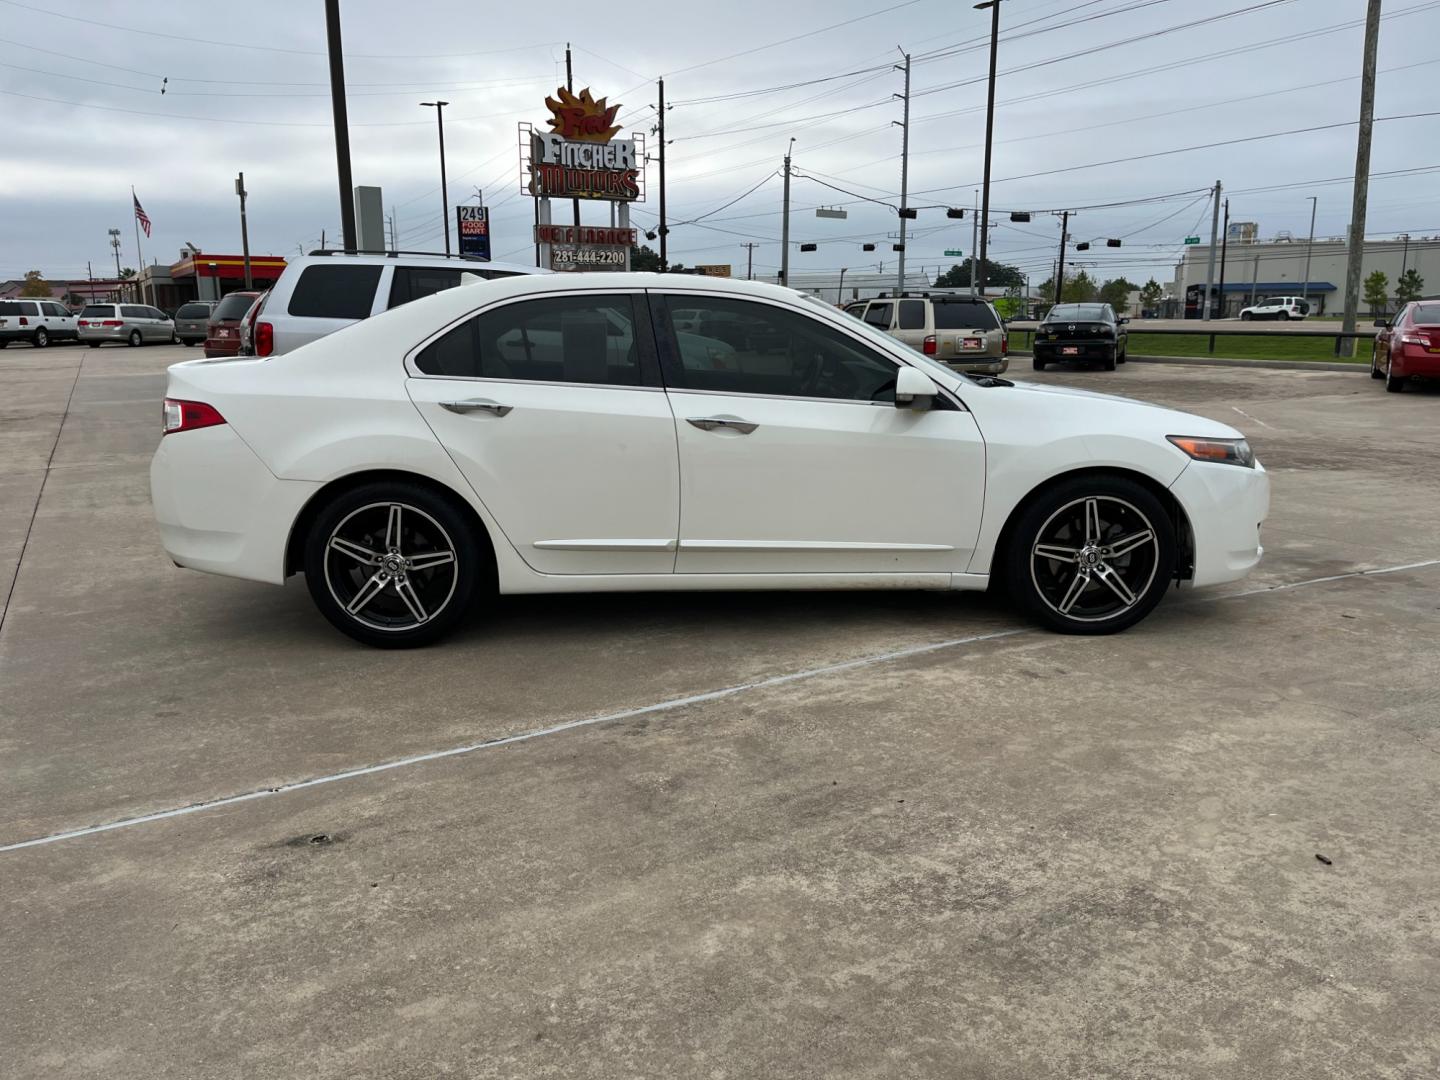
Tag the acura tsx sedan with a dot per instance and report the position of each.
(569, 433)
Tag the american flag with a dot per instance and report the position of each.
(141, 216)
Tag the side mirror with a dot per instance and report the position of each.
(914, 389)
(1384, 324)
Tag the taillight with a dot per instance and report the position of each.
(1404, 339)
(264, 339)
(189, 415)
(929, 346)
(24, 321)
(113, 322)
(1004, 344)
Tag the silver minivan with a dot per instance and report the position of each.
(963, 333)
(192, 320)
(134, 324)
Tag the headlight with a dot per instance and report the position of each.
(1222, 451)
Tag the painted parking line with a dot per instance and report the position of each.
(629, 714)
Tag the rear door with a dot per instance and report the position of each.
(135, 318)
(966, 330)
(794, 458)
(552, 408)
(58, 320)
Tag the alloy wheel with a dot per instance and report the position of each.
(1095, 558)
(42, 338)
(390, 566)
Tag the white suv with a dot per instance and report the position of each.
(37, 321)
(327, 291)
(1277, 307)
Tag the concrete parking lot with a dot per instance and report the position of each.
(804, 836)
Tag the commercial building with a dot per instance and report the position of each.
(74, 293)
(854, 285)
(1256, 268)
(202, 276)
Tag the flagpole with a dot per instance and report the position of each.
(139, 255)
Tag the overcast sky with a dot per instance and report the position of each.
(253, 95)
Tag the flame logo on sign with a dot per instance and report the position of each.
(582, 117)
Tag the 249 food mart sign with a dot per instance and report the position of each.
(580, 158)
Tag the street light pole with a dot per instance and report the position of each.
(840, 292)
(439, 107)
(904, 174)
(1305, 289)
(342, 123)
(994, 6)
(244, 229)
(1359, 200)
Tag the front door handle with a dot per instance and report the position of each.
(477, 405)
(710, 423)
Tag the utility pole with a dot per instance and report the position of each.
(1254, 279)
(840, 292)
(1224, 246)
(1404, 252)
(750, 260)
(1060, 265)
(904, 169)
(439, 107)
(974, 242)
(244, 230)
(1210, 266)
(1305, 289)
(664, 230)
(115, 243)
(785, 221)
(342, 123)
(570, 85)
(1362, 173)
(394, 229)
(994, 6)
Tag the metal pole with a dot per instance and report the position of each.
(115, 244)
(1362, 174)
(342, 123)
(439, 107)
(1060, 265)
(1254, 279)
(1305, 289)
(394, 229)
(664, 229)
(974, 242)
(750, 260)
(1210, 266)
(785, 222)
(1224, 245)
(244, 230)
(840, 292)
(570, 85)
(1404, 252)
(904, 174)
(139, 258)
(994, 6)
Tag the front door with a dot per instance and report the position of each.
(553, 410)
(794, 458)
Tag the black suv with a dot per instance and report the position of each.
(1081, 332)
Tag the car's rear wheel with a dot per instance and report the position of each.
(1107, 363)
(1284, 315)
(1394, 383)
(1038, 364)
(392, 565)
(135, 339)
(1375, 372)
(1092, 556)
(93, 344)
(41, 338)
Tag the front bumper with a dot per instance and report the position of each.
(1226, 505)
(219, 508)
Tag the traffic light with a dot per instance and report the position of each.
(1084, 245)
(867, 247)
(1112, 243)
(954, 212)
(809, 247)
(908, 212)
(897, 247)
(1019, 215)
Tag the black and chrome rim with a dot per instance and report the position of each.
(1094, 558)
(390, 566)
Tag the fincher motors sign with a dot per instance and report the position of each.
(580, 158)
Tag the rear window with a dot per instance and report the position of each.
(335, 292)
(1086, 312)
(9, 307)
(1426, 314)
(193, 311)
(233, 306)
(95, 311)
(963, 315)
(912, 315)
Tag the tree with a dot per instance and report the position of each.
(997, 275)
(35, 284)
(1079, 288)
(645, 257)
(127, 273)
(1376, 290)
(1150, 295)
(1410, 286)
(1116, 293)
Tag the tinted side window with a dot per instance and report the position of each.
(156, 313)
(912, 315)
(29, 307)
(95, 311)
(966, 315)
(9, 307)
(573, 339)
(413, 282)
(878, 316)
(750, 348)
(55, 309)
(134, 311)
(335, 292)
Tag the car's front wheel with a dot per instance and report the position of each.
(393, 565)
(1245, 316)
(1375, 372)
(1284, 315)
(1092, 555)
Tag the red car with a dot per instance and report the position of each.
(1408, 346)
(222, 333)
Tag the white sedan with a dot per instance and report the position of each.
(561, 434)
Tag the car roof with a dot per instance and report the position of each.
(377, 258)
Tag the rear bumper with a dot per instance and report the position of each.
(1084, 350)
(104, 333)
(222, 346)
(1226, 506)
(17, 333)
(978, 365)
(220, 509)
(1415, 360)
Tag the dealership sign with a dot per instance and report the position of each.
(585, 247)
(579, 157)
(474, 229)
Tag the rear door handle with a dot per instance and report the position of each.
(477, 405)
(710, 423)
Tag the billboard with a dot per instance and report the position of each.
(580, 158)
(473, 228)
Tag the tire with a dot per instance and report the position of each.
(429, 525)
(41, 338)
(1108, 364)
(1284, 315)
(1375, 372)
(1394, 383)
(93, 344)
(1084, 517)
(4, 344)
(1124, 355)
(1245, 316)
(188, 343)
(1038, 364)
(135, 340)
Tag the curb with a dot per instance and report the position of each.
(1225, 361)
